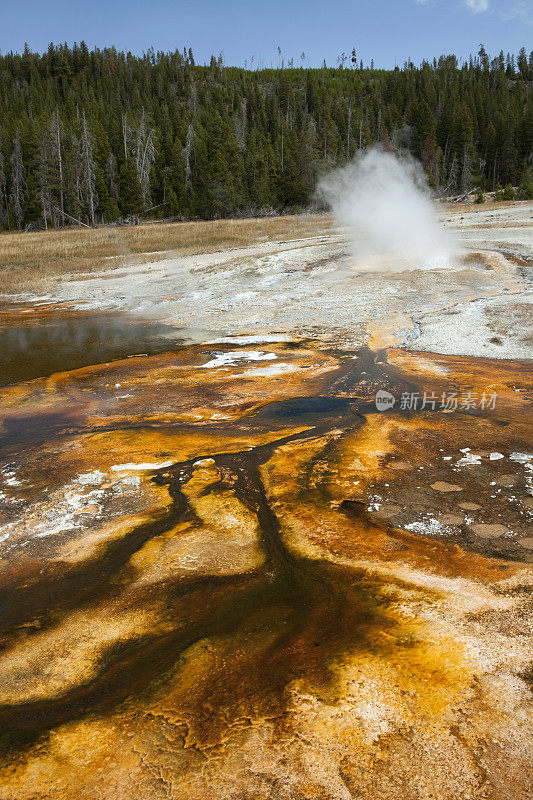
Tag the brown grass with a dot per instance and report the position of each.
(456, 208)
(31, 261)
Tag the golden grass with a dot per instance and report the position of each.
(31, 261)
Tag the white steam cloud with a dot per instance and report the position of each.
(384, 203)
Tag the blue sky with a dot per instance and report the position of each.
(389, 31)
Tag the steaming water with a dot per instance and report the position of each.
(384, 203)
(47, 345)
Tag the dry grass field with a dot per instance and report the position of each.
(28, 262)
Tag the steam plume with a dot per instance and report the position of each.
(384, 203)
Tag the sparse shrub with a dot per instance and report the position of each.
(480, 198)
(507, 193)
(525, 190)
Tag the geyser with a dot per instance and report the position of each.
(384, 202)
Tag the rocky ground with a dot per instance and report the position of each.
(226, 572)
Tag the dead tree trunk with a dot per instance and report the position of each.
(18, 181)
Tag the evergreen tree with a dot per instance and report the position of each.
(172, 204)
(211, 141)
(130, 195)
(107, 207)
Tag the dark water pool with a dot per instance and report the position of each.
(37, 348)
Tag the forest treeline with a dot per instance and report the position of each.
(94, 136)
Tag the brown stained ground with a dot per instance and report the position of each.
(233, 581)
